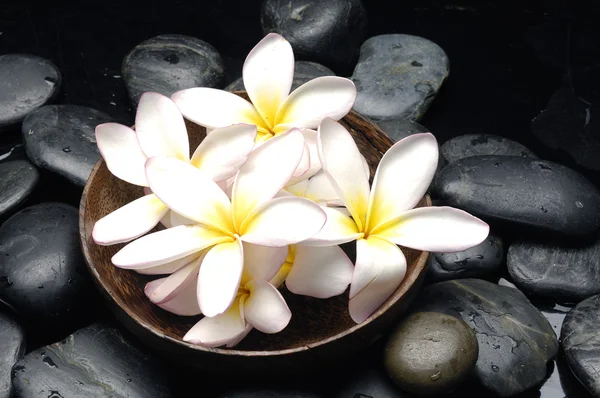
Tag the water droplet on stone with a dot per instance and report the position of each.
(579, 204)
(495, 368)
(67, 149)
(128, 380)
(436, 376)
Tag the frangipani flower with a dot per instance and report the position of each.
(268, 73)
(160, 131)
(383, 217)
(221, 225)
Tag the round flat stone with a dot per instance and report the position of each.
(61, 138)
(430, 353)
(26, 83)
(18, 178)
(399, 128)
(11, 349)
(468, 145)
(169, 63)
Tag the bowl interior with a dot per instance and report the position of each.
(314, 321)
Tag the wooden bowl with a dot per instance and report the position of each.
(320, 332)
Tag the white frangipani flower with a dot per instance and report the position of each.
(160, 131)
(384, 216)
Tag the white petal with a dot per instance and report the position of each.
(343, 165)
(214, 108)
(338, 229)
(121, 151)
(262, 262)
(177, 219)
(266, 171)
(168, 268)
(310, 158)
(303, 165)
(283, 221)
(380, 269)
(268, 72)
(221, 154)
(320, 272)
(265, 308)
(402, 177)
(319, 189)
(218, 330)
(189, 192)
(184, 303)
(327, 96)
(219, 277)
(435, 229)
(167, 245)
(174, 283)
(160, 127)
(130, 221)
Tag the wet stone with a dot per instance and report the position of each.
(468, 145)
(368, 383)
(96, 361)
(399, 128)
(11, 349)
(61, 138)
(169, 63)
(512, 334)
(18, 178)
(522, 192)
(26, 83)
(430, 353)
(398, 76)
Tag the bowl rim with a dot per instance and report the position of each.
(420, 264)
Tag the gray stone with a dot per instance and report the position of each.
(398, 75)
(565, 274)
(516, 342)
(303, 72)
(430, 353)
(399, 128)
(169, 63)
(61, 138)
(468, 145)
(96, 361)
(521, 191)
(481, 261)
(18, 178)
(328, 32)
(370, 383)
(26, 83)
(581, 343)
(11, 349)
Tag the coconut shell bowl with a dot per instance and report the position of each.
(320, 331)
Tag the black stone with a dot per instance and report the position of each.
(565, 274)
(261, 393)
(370, 383)
(481, 261)
(11, 349)
(61, 138)
(516, 342)
(96, 361)
(581, 342)
(388, 81)
(303, 72)
(399, 128)
(42, 271)
(328, 32)
(18, 178)
(521, 191)
(26, 83)
(468, 145)
(169, 63)
(430, 353)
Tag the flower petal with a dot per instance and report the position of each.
(303, 165)
(338, 229)
(213, 108)
(160, 127)
(168, 268)
(218, 330)
(342, 163)
(130, 221)
(283, 221)
(320, 272)
(310, 158)
(380, 269)
(174, 283)
(219, 277)
(121, 151)
(184, 303)
(176, 219)
(167, 245)
(189, 192)
(327, 96)
(402, 177)
(266, 171)
(262, 262)
(268, 72)
(221, 154)
(435, 229)
(265, 308)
